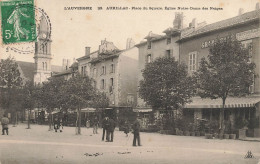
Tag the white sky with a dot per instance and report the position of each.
(73, 30)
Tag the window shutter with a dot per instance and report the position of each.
(171, 53)
(196, 61)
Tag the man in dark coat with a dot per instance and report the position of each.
(111, 128)
(4, 122)
(136, 131)
(105, 125)
(56, 124)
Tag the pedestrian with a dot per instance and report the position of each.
(111, 128)
(105, 125)
(126, 127)
(61, 125)
(136, 131)
(56, 124)
(88, 123)
(95, 125)
(4, 122)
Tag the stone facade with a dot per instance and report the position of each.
(195, 45)
(114, 72)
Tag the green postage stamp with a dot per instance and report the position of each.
(18, 21)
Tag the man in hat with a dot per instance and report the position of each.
(111, 129)
(105, 125)
(136, 131)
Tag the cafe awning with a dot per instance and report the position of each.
(142, 110)
(88, 110)
(231, 102)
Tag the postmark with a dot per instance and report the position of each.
(39, 29)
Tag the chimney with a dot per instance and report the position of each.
(68, 63)
(178, 20)
(194, 23)
(64, 62)
(257, 6)
(87, 51)
(130, 43)
(240, 11)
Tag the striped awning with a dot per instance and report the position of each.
(231, 102)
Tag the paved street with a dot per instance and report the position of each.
(38, 145)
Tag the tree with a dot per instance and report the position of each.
(226, 72)
(166, 84)
(10, 82)
(50, 96)
(29, 95)
(78, 92)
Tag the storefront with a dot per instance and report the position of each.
(236, 111)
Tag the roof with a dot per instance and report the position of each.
(66, 72)
(156, 37)
(56, 68)
(152, 39)
(74, 65)
(86, 56)
(28, 69)
(172, 30)
(231, 102)
(152, 35)
(104, 57)
(241, 19)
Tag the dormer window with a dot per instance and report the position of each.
(168, 40)
(149, 45)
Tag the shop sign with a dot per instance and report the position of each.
(254, 33)
(207, 44)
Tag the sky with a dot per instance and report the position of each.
(73, 30)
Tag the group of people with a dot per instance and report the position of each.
(109, 125)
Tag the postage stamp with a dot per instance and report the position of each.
(18, 21)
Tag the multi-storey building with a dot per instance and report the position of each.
(114, 72)
(194, 45)
(158, 46)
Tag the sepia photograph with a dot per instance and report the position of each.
(130, 81)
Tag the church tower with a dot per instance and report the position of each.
(42, 55)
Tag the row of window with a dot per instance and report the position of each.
(103, 70)
(111, 85)
(168, 54)
(84, 71)
(193, 61)
(44, 66)
(149, 43)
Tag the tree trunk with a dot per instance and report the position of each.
(15, 119)
(50, 121)
(221, 117)
(78, 131)
(29, 118)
